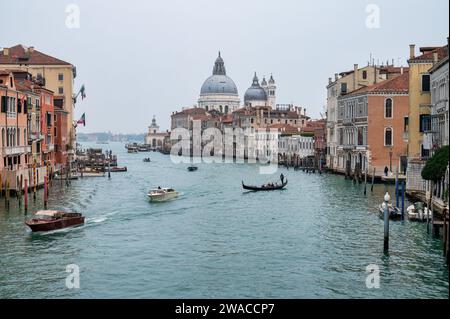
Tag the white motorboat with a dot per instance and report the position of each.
(419, 213)
(162, 194)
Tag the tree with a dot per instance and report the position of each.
(436, 166)
(434, 171)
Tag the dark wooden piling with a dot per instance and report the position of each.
(26, 195)
(386, 223)
(373, 179)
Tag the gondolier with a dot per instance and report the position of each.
(282, 178)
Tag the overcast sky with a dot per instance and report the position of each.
(144, 58)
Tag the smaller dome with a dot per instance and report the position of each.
(255, 92)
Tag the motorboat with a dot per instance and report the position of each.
(265, 187)
(116, 169)
(147, 160)
(46, 220)
(419, 213)
(162, 194)
(192, 168)
(394, 212)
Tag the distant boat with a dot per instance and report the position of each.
(267, 187)
(162, 194)
(147, 160)
(192, 168)
(102, 142)
(47, 220)
(132, 150)
(118, 169)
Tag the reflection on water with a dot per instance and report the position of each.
(312, 240)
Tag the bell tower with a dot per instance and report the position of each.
(271, 92)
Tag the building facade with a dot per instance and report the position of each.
(155, 138)
(56, 75)
(419, 130)
(370, 127)
(345, 83)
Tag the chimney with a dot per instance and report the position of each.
(412, 49)
(435, 58)
(5, 51)
(30, 49)
(355, 76)
(336, 76)
(329, 80)
(401, 70)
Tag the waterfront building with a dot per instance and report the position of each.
(265, 116)
(317, 129)
(155, 138)
(345, 83)
(61, 122)
(56, 75)
(370, 126)
(219, 92)
(14, 148)
(418, 122)
(439, 118)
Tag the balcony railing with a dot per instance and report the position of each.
(405, 136)
(15, 150)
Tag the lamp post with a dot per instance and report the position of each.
(390, 160)
(387, 198)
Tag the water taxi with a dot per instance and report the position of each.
(162, 194)
(46, 220)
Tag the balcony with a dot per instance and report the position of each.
(348, 147)
(347, 121)
(15, 150)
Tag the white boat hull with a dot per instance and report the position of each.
(162, 197)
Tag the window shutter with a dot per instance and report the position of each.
(25, 106)
(3, 104)
(19, 106)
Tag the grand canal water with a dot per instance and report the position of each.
(312, 240)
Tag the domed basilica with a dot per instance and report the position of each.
(219, 92)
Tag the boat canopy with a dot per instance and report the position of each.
(50, 213)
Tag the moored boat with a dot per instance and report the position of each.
(394, 212)
(46, 220)
(266, 187)
(162, 194)
(119, 169)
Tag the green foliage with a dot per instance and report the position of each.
(436, 166)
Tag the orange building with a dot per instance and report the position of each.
(371, 125)
(47, 126)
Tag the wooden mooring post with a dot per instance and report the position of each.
(387, 198)
(45, 192)
(365, 182)
(373, 179)
(26, 195)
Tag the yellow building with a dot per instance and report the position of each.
(419, 121)
(55, 74)
(417, 125)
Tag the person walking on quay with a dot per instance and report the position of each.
(386, 170)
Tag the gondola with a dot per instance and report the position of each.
(192, 168)
(264, 188)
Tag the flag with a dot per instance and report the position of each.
(82, 119)
(83, 92)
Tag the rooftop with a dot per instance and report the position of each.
(21, 54)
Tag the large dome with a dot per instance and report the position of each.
(255, 92)
(219, 84)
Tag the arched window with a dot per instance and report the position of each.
(388, 108)
(3, 137)
(364, 75)
(388, 136)
(226, 109)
